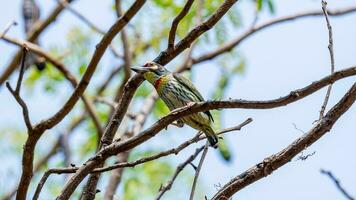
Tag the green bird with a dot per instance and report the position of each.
(177, 91)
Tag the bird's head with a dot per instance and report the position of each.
(151, 71)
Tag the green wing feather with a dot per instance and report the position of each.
(189, 85)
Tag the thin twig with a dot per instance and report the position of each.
(180, 168)
(105, 101)
(188, 61)
(337, 184)
(197, 171)
(7, 28)
(177, 19)
(45, 177)
(332, 60)
(16, 93)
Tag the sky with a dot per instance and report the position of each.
(279, 59)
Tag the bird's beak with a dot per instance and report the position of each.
(139, 69)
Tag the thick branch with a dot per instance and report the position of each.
(228, 46)
(273, 162)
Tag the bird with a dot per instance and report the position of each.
(31, 15)
(177, 91)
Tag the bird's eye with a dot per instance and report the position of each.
(160, 69)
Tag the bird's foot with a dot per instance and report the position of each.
(190, 103)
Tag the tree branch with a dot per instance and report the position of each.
(16, 93)
(337, 184)
(275, 161)
(177, 19)
(180, 168)
(228, 46)
(197, 171)
(332, 61)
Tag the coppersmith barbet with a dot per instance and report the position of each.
(177, 91)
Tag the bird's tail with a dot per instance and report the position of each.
(216, 143)
(212, 138)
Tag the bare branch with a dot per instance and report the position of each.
(332, 60)
(180, 168)
(188, 61)
(177, 19)
(7, 28)
(16, 93)
(228, 46)
(45, 177)
(337, 184)
(105, 101)
(275, 161)
(115, 178)
(197, 171)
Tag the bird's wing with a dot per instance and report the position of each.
(189, 85)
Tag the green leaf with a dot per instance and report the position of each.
(259, 5)
(271, 6)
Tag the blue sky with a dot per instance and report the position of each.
(279, 59)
